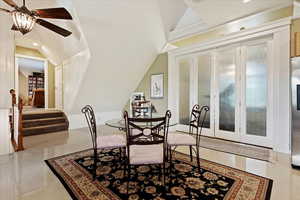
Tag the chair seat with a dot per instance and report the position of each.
(179, 139)
(111, 141)
(146, 154)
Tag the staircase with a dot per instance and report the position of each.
(44, 122)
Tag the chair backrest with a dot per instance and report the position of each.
(197, 120)
(91, 121)
(146, 128)
(141, 108)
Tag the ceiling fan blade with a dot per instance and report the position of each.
(5, 10)
(11, 3)
(54, 13)
(53, 27)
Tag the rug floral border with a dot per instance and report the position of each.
(240, 189)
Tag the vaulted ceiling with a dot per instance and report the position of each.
(174, 14)
(115, 41)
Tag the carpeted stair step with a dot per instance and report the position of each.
(43, 122)
(44, 129)
(29, 116)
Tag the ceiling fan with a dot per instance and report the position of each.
(25, 19)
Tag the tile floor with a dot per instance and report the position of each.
(24, 175)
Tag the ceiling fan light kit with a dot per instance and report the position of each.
(24, 19)
(23, 22)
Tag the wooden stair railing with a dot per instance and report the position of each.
(16, 111)
(12, 112)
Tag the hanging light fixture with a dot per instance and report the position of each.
(23, 21)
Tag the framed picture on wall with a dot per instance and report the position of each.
(157, 86)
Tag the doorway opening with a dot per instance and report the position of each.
(32, 82)
(38, 82)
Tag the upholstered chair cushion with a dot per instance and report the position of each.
(111, 141)
(181, 139)
(146, 154)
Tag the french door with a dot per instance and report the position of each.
(194, 88)
(226, 101)
(234, 82)
(256, 94)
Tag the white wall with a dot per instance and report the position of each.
(79, 121)
(6, 61)
(282, 96)
(74, 70)
(123, 40)
(6, 80)
(112, 45)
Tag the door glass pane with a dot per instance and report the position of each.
(184, 91)
(227, 92)
(204, 77)
(256, 90)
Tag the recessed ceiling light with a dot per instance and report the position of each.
(246, 1)
(35, 44)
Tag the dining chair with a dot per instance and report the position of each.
(192, 139)
(101, 142)
(149, 146)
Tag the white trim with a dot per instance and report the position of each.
(5, 142)
(197, 28)
(189, 31)
(252, 139)
(46, 84)
(259, 31)
(56, 69)
(45, 75)
(282, 93)
(77, 121)
(232, 135)
(17, 78)
(279, 31)
(30, 57)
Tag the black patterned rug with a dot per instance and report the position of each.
(212, 182)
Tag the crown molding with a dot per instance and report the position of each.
(259, 31)
(197, 28)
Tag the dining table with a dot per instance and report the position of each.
(120, 123)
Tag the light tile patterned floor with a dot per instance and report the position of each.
(24, 175)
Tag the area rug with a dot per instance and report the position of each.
(212, 182)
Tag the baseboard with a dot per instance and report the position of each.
(282, 149)
(77, 121)
(5, 142)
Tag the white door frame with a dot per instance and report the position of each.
(193, 59)
(181, 127)
(234, 136)
(252, 139)
(45, 74)
(206, 131)
(59, 107)
(279, 30)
